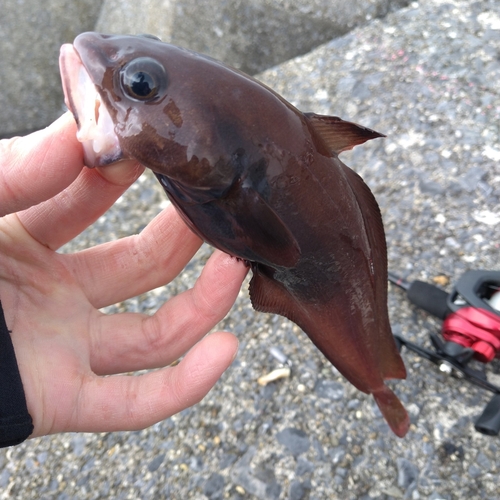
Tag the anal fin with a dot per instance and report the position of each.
(267, 295)
(391, 363)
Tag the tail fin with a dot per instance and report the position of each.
(392, 410)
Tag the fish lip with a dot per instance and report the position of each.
(66, 61)
(83, 97)
(95, 55)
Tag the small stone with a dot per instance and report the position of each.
(393, 491)
(430, 187)
(407, 473)
(273, 490)
(214, 484)
(295, 440)
(450, 452)
(338, 480)
(78, 442)
(298, 490)
(341, 471)
(304, 466)
(4, 478)
(356, 449)
(259, 480)
(474, 471)
(436, 496)
(156, 462)
(249, 483)
(471, 178)
(441, 280)
(196, 463)
(483, 461)
(227, 460)
(337, 454)
(353, 404)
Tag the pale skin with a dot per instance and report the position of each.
(64, 345)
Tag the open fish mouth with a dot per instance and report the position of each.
(96, 130)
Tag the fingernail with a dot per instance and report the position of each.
(236, 351)
(122, 173)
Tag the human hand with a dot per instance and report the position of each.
(64, 345)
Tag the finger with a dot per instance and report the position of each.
(64, 216)
(129, 342)
(121, 269)
(134, 402)
(38, 166)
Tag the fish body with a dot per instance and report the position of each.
(256, 178)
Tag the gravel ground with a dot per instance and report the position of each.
(427, 76)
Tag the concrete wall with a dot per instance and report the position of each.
(249, 34)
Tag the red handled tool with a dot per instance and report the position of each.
(471, 329)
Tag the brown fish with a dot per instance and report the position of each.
(255, 177)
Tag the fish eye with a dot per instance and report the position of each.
(143, 79)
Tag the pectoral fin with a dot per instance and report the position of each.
(241, 224)
(259, 228)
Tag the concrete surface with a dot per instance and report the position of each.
(31, 34)
(250, 34)
(427, 76)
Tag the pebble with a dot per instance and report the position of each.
(214, 485)
(483, 461)
(407, 475)
(295, 440)
(304, 467)
(154, 465)
(298, 490)
(4, 478)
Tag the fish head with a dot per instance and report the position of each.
(135, 97)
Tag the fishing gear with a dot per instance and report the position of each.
(471, 329)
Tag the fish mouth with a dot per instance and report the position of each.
(96, 130)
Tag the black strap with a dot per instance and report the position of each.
(15, 421)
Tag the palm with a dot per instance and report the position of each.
(64, 344)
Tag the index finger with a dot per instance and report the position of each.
(36, 167)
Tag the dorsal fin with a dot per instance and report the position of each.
(338, 134)
(391, 366)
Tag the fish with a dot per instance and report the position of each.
(255, 177)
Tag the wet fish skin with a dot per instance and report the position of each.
(255, 177)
